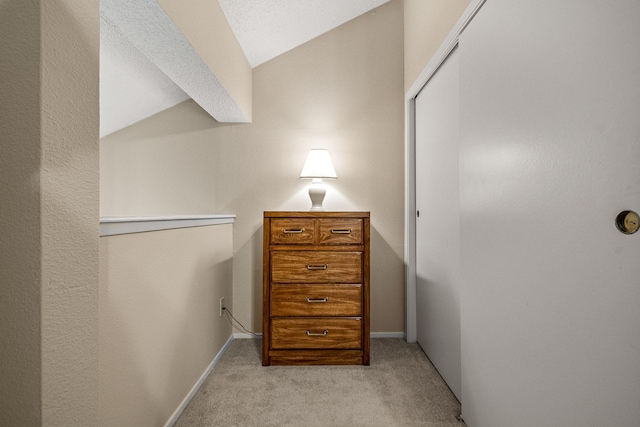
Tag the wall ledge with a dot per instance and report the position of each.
(111, 226)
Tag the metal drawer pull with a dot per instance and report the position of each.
(316, 334)
(293, 231)
(317, 267)
(341, 230)
(324, 299)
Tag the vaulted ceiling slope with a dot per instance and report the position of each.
(268, 28)
(148, 65)
(132, 88)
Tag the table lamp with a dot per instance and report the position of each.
(317, 167)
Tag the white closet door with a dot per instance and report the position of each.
(437, 224)
(549, 155)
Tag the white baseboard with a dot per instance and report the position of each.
(244, 336)
(176, 414)
(387, 334)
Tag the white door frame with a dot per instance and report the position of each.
(450, 42)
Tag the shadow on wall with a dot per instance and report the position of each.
(247, 279)
(387, 285)
(256, 288)
(184, 118)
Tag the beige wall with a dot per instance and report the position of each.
(20, 253)
(159, 319)
(69, 201)
(426, 24)
(163, 165)
(342, 91)
(49, 245)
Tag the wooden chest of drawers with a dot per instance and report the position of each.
(315, 288)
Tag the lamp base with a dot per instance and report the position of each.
(317, 192)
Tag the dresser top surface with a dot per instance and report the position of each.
(310, 214)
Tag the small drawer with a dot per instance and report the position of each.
(341, 231)
(316, 267)
(316, 333)
(316, 300)
(293, 231)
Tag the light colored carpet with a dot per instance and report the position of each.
(401, 388)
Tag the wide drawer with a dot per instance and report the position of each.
(316, 300)
(340, 231)
(316, 267)
(293, 231)
(316, 333)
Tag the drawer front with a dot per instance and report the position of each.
(316, 267)
(316, 333)
(293, 231)
(341, 231)
(316, 300)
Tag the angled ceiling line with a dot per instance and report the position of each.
(266, 29)
(150, 30)
(172, 69)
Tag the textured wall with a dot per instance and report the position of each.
(159, 320)
(426, 24)
(20, 251)
(49, 249)
(69, 202)
(342, 91)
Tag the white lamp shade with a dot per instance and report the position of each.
(318, 165)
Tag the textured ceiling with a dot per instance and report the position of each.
(132, 88)
(138, 78)
(148, 27)
(268, 28)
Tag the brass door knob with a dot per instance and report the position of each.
(628, 222)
